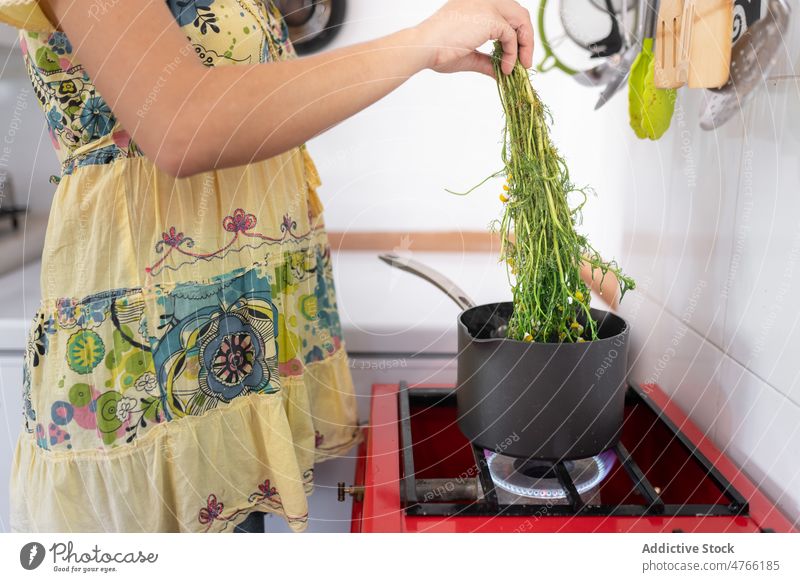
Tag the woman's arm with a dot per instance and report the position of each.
(189, 118)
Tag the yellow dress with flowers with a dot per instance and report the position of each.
(186, 365)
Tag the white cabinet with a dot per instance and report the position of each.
(369, 369)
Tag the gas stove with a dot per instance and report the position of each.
(417, 472)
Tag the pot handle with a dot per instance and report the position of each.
(433, 276)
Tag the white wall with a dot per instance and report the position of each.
(387, 168)
(711, 224)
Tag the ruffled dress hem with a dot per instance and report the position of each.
(264, 463)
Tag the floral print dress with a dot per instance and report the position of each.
(186, 365)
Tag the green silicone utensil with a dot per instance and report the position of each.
(550, 60)
(650, 108)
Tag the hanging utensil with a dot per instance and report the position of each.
(650, 108)
(745, 13)
(621, 73)
(592, 26)
(693, 43)
(602, 73)
(708, 25)
(574, 32)
(550, 60)
(668, 44)
(754, 56)
(685, 39)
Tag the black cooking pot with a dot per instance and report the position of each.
(548, 401)
(551, 401)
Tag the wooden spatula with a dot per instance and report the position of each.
(709, 50)
(668, 44)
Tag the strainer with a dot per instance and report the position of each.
(754, 55)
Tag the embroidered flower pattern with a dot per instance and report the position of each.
(55, 119)
(211, 511)
(173, 238)
(288, 224)
(85, 350)
(266, 494)
(233, 359)
(59, 43)
(90, 314)
(221, 344)
(240, 221)
(147, 383)
(96, 118)
(265, 490)
(240, 224)
(124, 408)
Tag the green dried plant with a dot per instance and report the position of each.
(539, 242)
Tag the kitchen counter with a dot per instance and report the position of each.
(383, 310)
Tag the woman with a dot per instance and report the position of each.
(186, 367)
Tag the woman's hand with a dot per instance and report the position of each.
(460, 27)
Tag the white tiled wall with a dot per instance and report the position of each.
(712, 228)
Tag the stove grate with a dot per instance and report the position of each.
(486, 502)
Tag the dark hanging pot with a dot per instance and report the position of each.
(545, 401)
(313, 24)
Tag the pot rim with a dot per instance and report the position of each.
(581, 345)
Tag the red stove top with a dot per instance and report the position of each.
(666, 476)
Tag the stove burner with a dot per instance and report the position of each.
(538, 480)
(536, 469)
